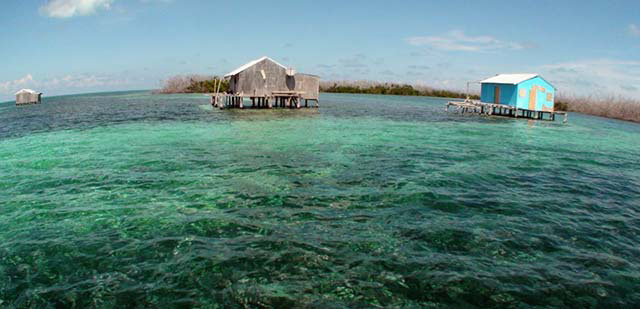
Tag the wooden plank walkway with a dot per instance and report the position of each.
(477, 107)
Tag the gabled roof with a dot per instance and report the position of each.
(511, 79)
(250, 64)
(27, 91)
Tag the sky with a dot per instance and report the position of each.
(78, 46)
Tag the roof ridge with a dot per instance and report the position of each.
(510, 78)
(252, 63)
(27, 90)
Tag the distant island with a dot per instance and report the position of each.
(208, 84)
(604, 106)
(369, 87)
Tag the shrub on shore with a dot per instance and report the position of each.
(192, 84)
(207, 84)
(603, 106)
(369, 87)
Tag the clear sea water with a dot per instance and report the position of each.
(139, 200)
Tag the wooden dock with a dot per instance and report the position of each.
(492, 109)
(277, 99)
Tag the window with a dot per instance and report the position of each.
(523, 93)
(549, 97)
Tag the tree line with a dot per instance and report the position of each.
(193, 84)
(367, 87)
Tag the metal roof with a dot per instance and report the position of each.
(511, 79)
(27, 91)
(250, 64)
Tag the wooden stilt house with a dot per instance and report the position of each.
(28, 96)
(523, 91)
(267, 83)
(514, 95)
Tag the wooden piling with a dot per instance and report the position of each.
(477, 107)
(284, 99)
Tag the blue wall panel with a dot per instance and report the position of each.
(541, 97)
(487, 93)
(507, 93)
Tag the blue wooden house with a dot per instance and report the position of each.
(522, 91)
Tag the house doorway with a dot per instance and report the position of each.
(533, 97)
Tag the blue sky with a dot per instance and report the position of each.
(75, 46)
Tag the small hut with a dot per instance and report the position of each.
(28, 96)
(522, 91)
(266, 81)
(514, 95)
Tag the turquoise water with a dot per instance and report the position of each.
(133, 199)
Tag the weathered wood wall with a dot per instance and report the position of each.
(251, 82)
(28, 98)
(309, 84)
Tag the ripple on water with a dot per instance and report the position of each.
(131, 199)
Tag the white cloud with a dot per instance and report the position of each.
(457, 40)
(634, 30)
(354, 62)
(83, 81)
(70, 8)
(12, 86)
(596, 76)
(73, 83)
